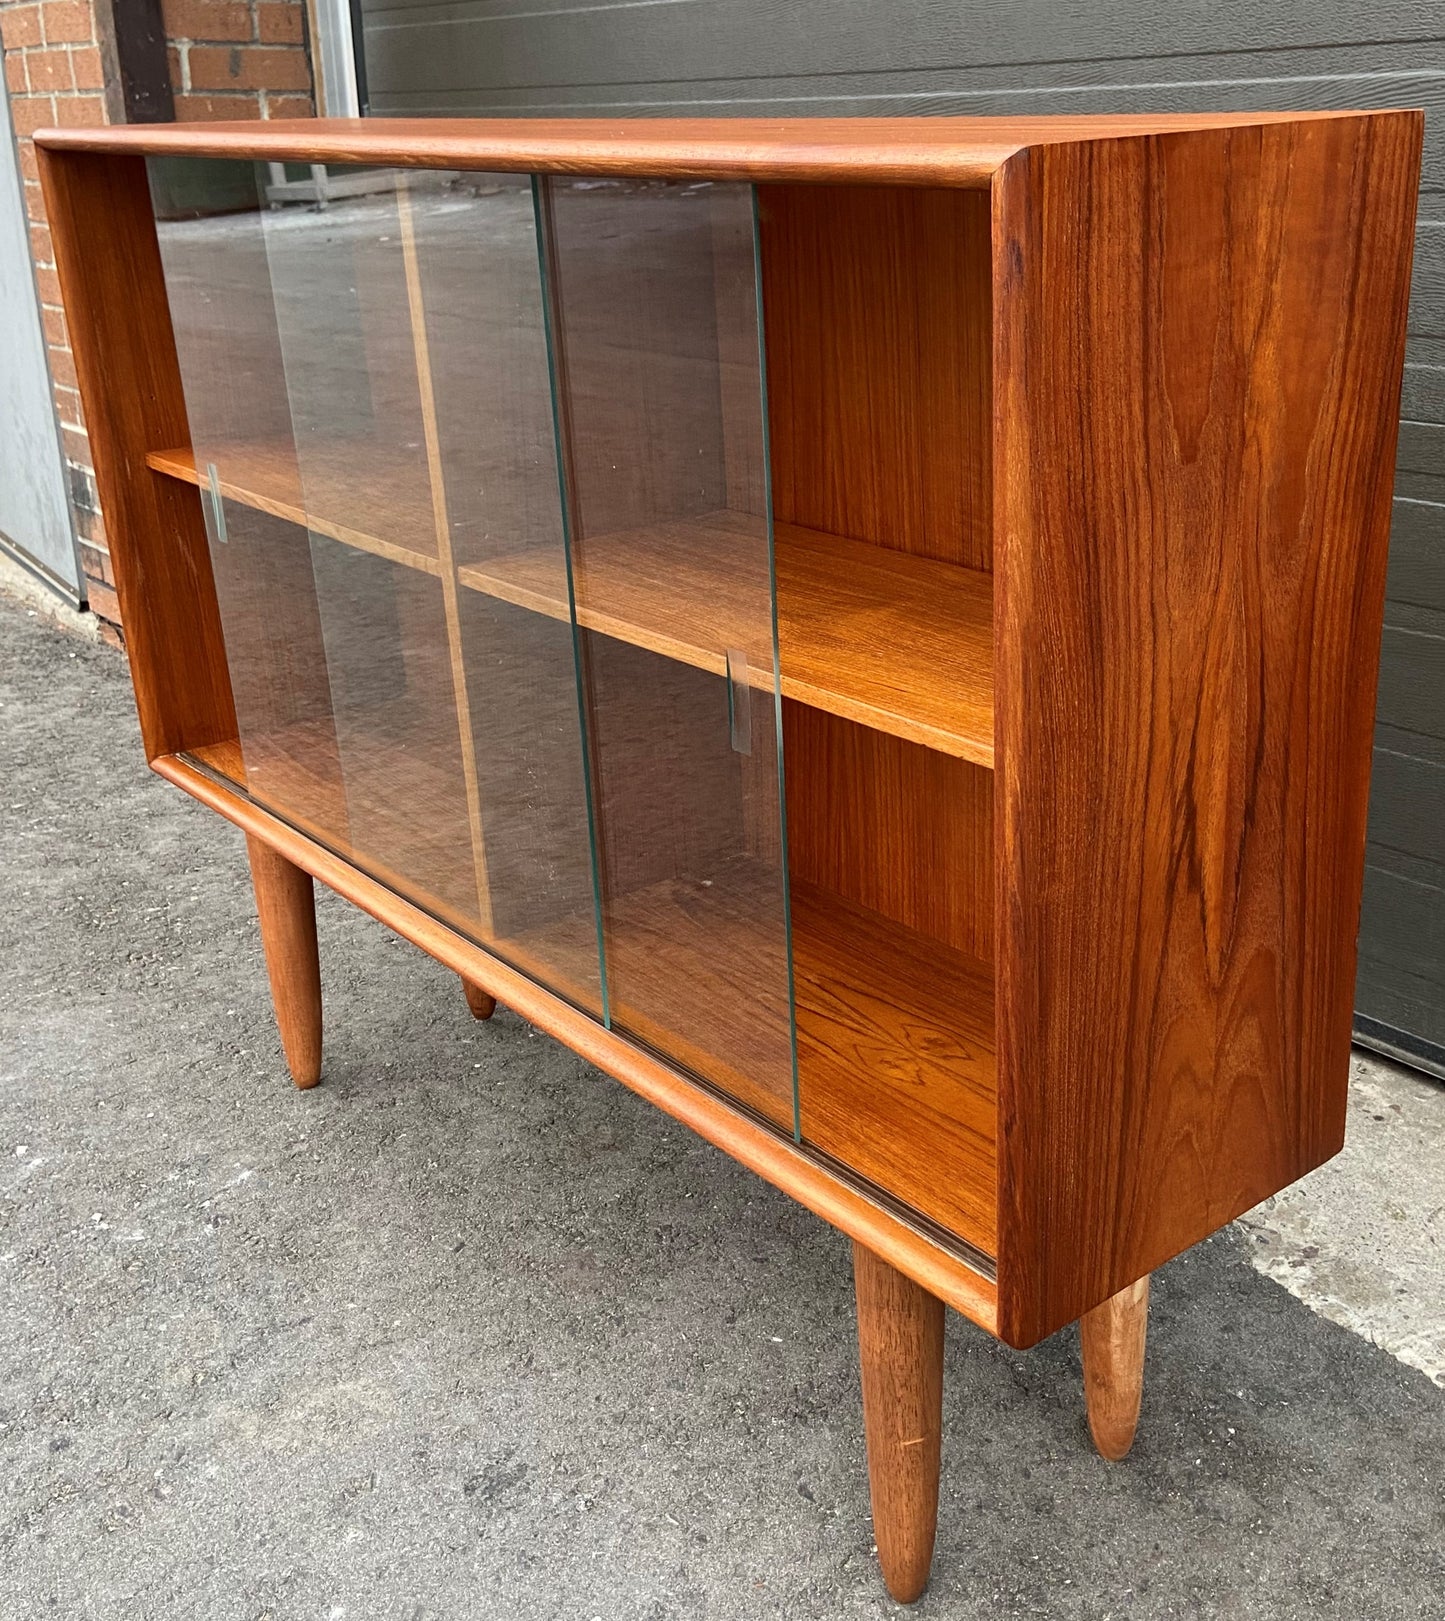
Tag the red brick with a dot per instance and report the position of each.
(95, 564)
(289, 107)
(111, 634)
(17, 80)
(50, 70)
(248, 67)
(42, 251)
(67, 405)
(77, 445)
(34, 200)
(207, 109)
(81, 112)
(174, 68)
(104, 603)
(85, 64)
(90, 527)
(53, 323)
(30, 171)
(31, 113)
(62, 368)
(68, 22)
(20, 26)
(47, 284)
(207, 19)
(279, 24)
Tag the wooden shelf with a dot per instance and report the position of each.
(896, 1070)
(360, 478)
(898, 643)
(896, 1067)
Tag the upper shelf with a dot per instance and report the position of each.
(265, 477)
(898, 643)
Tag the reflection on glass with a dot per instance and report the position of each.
(656, 355)
(477, 279)
(368, 390)
(213, 249)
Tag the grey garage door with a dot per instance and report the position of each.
(720, 57)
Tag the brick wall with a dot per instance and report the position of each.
(238, 58)
(228, 59)
(58, 66)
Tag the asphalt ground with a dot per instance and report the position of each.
(470, 1331)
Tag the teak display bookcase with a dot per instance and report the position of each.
(865, 630)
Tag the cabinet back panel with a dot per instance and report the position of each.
(890, 825)
(877, 316)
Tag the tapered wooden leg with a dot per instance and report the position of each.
(900, 1345)
(286, 907)
(1113, 1340)
(482, 1005)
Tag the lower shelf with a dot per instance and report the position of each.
(896, 1070)
(895, 1043)
(960, 1277)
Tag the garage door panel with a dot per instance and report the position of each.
(1407, 793)
(1412, 681)
(1417, 556)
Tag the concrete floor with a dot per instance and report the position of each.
(471, 1332)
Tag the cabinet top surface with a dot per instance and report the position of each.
(903, 151)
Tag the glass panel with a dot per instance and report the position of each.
(366, 376)
(213, 248)
(653, 293)
(483, 340)
(344, 323)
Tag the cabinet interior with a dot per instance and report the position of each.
(878, 325)
(391, 738)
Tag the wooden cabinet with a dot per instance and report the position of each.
(866, 630)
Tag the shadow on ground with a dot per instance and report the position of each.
(472, 1332)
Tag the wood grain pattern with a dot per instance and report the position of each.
(896, 1061)
(266, 477)
(878, 338)
(1112, 1337)
(899, 643)
(901, 829)
(895, 1031)
(896, 151)
(1200, 340)
(286, 910)
(115, 299)
(479, 1002)
(900, 1355)
(902, 646)
(918, 1255)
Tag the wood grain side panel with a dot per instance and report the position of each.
(1199, 348)
(876, 304)
(115, 304)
